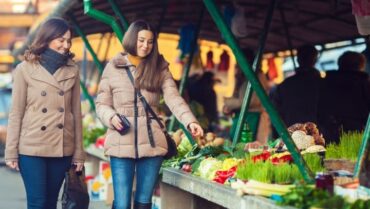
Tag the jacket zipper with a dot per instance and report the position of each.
(135, 121)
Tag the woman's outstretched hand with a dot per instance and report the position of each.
(196, 129)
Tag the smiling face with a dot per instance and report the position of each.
(61, 44)
(144, 43)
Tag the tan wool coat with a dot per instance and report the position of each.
(45, 117)
(116, 95)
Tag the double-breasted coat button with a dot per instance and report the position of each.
(60, 126)
(44, 110)
(43, 128)
(43, 93)
(61, 93)
(61, 109)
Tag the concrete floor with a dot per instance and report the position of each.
(12, 193)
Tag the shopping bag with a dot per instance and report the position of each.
(75, 195)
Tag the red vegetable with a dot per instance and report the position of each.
(222, 176)
(282, 159)
(263, 156)
(187, 168)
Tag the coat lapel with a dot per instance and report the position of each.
(64, 73)
(61, 74)
(41, 74)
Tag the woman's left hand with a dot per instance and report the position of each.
(196, 129)
(79, 166)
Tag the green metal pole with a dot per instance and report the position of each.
(103, 17)
(365, 146)
(276, 120)
(87, 44)
(186, 71)
(256, 64)
(118, 12)
(290, 45)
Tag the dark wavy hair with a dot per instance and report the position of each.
(149, 70)
(51, 29)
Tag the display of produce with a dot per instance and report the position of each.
(268, 171)
(305, 136)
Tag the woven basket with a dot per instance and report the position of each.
(339, 164)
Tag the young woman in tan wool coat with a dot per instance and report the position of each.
(133, 152)
(44, 128)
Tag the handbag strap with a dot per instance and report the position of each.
(145, 103)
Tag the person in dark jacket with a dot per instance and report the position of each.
(296, 99)
(202, 91)
(345, 97)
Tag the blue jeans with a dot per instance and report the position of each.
(42, 178)
(123, 170)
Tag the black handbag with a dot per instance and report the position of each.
(171, 145)
(75, 195)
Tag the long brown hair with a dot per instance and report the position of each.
(150, 68)
(50, 30)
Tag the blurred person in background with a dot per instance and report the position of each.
(202, 91)
(345, 97)
(44, 129)
(257, 117)
(296, 98)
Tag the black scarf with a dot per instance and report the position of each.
(52, 60)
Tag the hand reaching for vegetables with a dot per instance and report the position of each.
(196, 129)
(252, 145)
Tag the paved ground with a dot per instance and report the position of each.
(12, 193)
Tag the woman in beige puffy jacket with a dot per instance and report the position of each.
(44, 128)
(133, 152)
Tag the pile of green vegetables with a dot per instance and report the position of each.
(348, 147)
(308, 197)
(280, 174)
(193, 155)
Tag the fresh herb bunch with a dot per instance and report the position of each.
(259, 171)
(314, 162)
(267, 172)
(306, 197)
(347, 148)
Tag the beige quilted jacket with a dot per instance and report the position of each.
(116, 95)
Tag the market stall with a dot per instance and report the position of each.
(213, 172)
